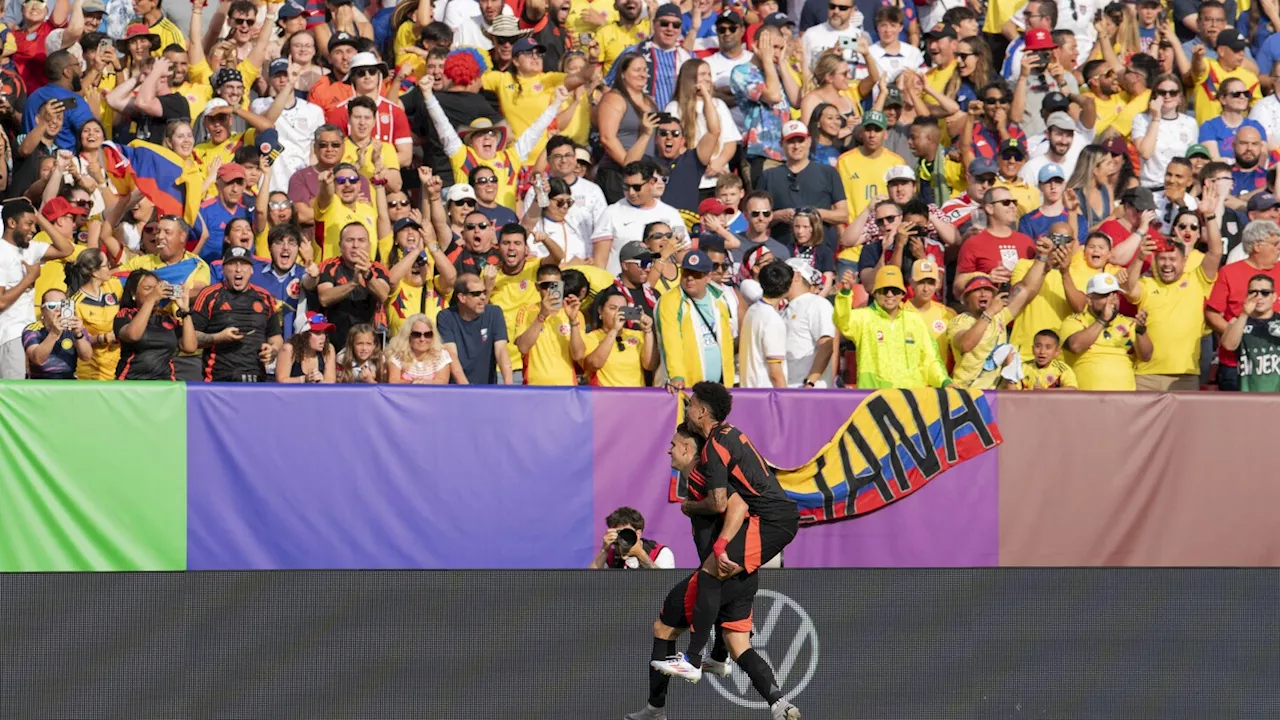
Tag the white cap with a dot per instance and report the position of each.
(794, 128)
(460, 191)
(809, 272)
(899, 172)
(1102, 284)
(216, 105)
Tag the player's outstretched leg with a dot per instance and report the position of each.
(761, 675)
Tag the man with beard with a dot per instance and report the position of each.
(284, 278)
(684, 166)
(1060, 133)
(1173, 297)
(979, 337)
(20, 261)
(1249, 174)
(1104, 88)
(339, 204)
(63, 70)
(628, 30)
(515, 284)
(304, 186)
(235, 322)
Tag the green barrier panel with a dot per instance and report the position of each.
(93, 476)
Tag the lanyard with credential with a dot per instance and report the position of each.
(702, 316)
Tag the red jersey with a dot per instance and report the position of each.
(1228, 296)
(31, 54)
(390, 125)
(984, 252)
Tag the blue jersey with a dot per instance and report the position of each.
(215, 216)
(1036, 224)
(286, 288)
(1218, 131)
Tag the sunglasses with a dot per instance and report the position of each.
(328, 145)
(242, 21)
(838, 8)
(965, 55)
(642, 264)
(1238, 94)
(473, 293)
(365, 72)
(563, 202)
(280, 204)
(882, 221)
(468, 202)
(890, 291)
(86, 204)
(149, 229)
(1012, 155)
(477, 226)
(635, 188)
(725, 29)
(535, 51)
(505, 40)
(1007, 202)
(1165, 93)
(1193, 228)
(660, 236)
(396, 203)
(422, 335)
(761, 213)
(52, 305)
(1263, 293)
(489, 180)
(717, 266)
(1002, 100)
(670, 133)
(670, 24)
(347, 180)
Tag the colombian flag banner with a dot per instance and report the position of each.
(160, 174)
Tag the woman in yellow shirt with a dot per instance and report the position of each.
(420, 275)
(96, 294)
(525, 91)
(617, 355)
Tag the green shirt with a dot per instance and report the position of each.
(1259, 355)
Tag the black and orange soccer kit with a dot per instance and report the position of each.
(729, 459)
(253, 312)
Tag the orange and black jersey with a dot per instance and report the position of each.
(729, 458)
(253, 312)
(706, 528)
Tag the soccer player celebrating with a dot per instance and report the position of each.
(759, 521)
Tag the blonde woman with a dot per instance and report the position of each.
(415, 355)
(831, 84)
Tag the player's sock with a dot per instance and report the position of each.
(761, 675)
(719, 652)
(662, 649)
(706, 605)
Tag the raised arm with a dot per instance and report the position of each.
(444, 128)
(532, 135)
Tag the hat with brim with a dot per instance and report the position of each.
(506, 26)
(875, 118)
(135, 31)
(1102, 284)
(236, 254)
(1199, 150)
(364, 60)
(404, 223)
(92, 6)
(342, 38)
(318, 323)
(977, 282)
(480, 125)
(889, 276)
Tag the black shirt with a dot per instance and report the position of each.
(174, 107)
(460, 107)
(706, 528)
(151, 358)
(683, 175)
(729, 458)
(359, 306)
(253, 312)
(474, 340)
(816, 186)
(469, 262)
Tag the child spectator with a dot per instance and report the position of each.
(1045, 370)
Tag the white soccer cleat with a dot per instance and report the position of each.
(678, 666)
(716, 667)
(783, 710)
(648, 713)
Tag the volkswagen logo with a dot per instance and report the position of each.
(787, 639)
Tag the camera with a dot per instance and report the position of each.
(626, 540)
(1004, 288)
(421, 260)
(1059, 239)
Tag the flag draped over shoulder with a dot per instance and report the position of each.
(892, 444)
(160, 174)
(175, 274)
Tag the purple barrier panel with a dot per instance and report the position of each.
(388, 478)
(951, 522)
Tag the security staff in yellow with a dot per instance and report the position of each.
(895, 347)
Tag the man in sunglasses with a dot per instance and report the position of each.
(758, 210)
(304, 186)
(1013, 155)
(694, 328)
(235, 322)
(479, 240)
(995, 250)
(664, 53)
(894, 345)
(844, 23)
(965, 210)
(588, 203)
(1254, 337)
(549, 332)
(1261, 240)
(626, 219)
(475, 336)
(391, 125)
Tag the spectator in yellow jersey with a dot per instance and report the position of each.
(619, 351)
(96, 294)
(926, 278)
(862, 169)
(1100, 341)
(514, 285)
(550, 332)
(1045, 370)
(1209, 74)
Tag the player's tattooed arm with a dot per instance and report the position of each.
(713, 504)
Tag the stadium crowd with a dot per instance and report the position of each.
(1012, 194)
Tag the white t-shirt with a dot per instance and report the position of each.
(623, 222)
(821, 38)
(1267, 113)
(764, 337)
(23, 311)
(567, 235)
(729, 132)
(296, 128)
(666, 560)
(908, 57)
(721, 66)
(469, 25)
(1173, 139)
(808, 319)
(588, 208)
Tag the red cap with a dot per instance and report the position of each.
(58, 207)
(231, 172)
(135, 30)
(977, 282)
(1040, 39)
(712, 206)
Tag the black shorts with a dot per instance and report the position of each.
(736, 598)
(759, 542)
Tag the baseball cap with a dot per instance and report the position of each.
(290, 10)
(93, 6)
(1013, 144)
(889, 276)
(1262, 201)
(525, 44)
(1231, 38)
(317, 322)
(277, 67)
(899, 172)
(1198, 149)
(1116, 146)
(805, 270)
(231, 172)
(634, 250)
(1040, 39)
(268, 142)
(982, 166)
(1140, 198)
(794, 128)
(1055, 101)
(236, 254)
(460, 191)
(1061, 121)
(1102, 284)
(875, 118)
(730, 16)
(941, 31)
(695, 261)
(778, 20)
(712, 206)
(667, 10)
(583, 155)
(924, 269)
(1050, 172)
(405, 222)
(977, 282)
(59, 206)
(893, 98)
(342, 38)
(217, 106)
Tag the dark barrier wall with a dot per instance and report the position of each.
(574, 645)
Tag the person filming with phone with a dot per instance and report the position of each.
(625, 548)
(56, 342)
(549, 334)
